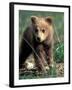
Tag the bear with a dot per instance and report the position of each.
(38, 38)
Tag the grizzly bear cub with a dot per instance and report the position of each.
(38, 38)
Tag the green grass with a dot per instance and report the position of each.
(59, 52)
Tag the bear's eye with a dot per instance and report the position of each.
(43, 30)
(36, 30)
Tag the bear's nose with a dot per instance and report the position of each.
(38, 38)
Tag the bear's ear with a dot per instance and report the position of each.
(49, 20)
(34, 19)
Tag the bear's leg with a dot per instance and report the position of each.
(43, 56)
(24, 52)
(50, 57)
(40, 59)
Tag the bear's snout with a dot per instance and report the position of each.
(38, 39)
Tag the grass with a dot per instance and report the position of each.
(59, 52)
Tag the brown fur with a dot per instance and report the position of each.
(43, 47)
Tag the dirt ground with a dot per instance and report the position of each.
(60, 69)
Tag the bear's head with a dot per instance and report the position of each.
(42, 27)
